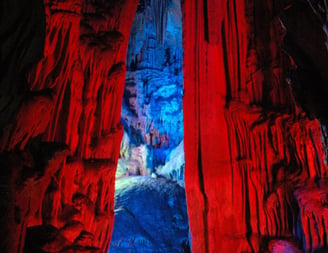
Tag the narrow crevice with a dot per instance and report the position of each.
(249, 231)
(226, 66)
(203, 191)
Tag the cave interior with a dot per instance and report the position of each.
(164, 126)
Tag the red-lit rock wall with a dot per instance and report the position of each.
(60, 147)
(255, 171)
(255, 166)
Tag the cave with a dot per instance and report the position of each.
(150, 204)
(254, 123)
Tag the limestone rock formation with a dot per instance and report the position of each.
(152, 100)
(60, 119)
(254, 86)
(254, 155)
(151, 216)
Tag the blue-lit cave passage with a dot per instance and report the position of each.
(150, 203)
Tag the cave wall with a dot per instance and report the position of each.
(255, 173)
(61, 129)
(255, 168)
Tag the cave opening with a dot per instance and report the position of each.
(150, 201)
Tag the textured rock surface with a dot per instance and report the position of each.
(255, 171)
(60, 122)
(152, 101)
(150, 216)
(250, 150)
(175, 165)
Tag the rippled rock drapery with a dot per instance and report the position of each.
(254, 160)
(60, 118)
(152, 101)
(253, 157)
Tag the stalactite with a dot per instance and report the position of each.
(160, 16)
(256, 179)
(66, 135)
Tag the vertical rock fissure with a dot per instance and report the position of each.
(230, 154)
(226, 65)
(247, 212)
(203, 191)
(206, 21)
(257, 206)
(237, 47)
